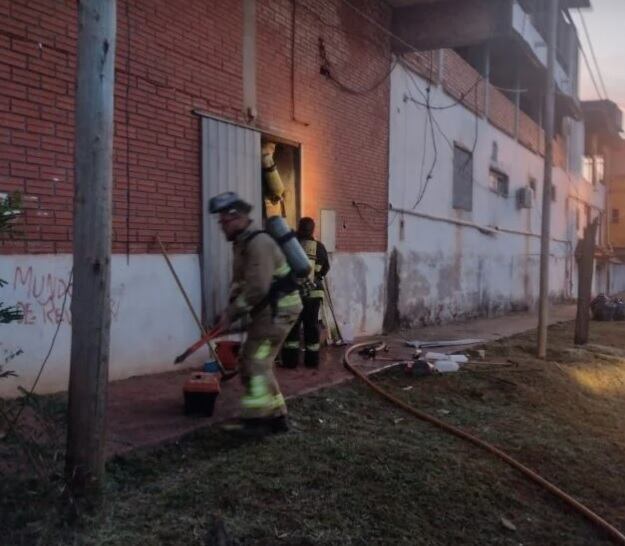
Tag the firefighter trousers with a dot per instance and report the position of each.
(310, 320)
(262, 397)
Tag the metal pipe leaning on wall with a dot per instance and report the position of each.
(481, 229)
(594, 518)
(486, 230)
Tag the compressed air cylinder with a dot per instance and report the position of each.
(271, 176)
(277, 227)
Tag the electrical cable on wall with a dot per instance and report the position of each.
(440, 129)
(430, 174)
(381, 46)
(456, 102)
(477, 126)
(357, 206)
(435, 122)
(463, 95)
(328, 70)
(432, 122)
(429, 122)
(426, 126)
(60, 321)
(127, 132)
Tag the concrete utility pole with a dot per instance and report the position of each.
(91, 307)
(550, 97)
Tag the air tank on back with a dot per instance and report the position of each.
(277, 227)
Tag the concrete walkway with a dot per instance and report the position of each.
(146, 411)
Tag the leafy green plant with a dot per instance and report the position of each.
(10, 210)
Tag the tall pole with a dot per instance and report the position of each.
(585, 267)
(91, 306)
(543, 311)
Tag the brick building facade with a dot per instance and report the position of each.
(325, 80)
(174, 58)
(312, 74)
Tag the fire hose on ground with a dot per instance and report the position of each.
(597, 520)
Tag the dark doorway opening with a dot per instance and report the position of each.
(287, 160)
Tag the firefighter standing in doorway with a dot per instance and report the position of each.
(313, 298)
(264, 289)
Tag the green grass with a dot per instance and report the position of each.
(356, 470)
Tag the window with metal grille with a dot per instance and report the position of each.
(499, 183)
(463, 179)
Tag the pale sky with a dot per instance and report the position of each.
(606, 26)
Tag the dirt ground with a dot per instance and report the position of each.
(355, 470)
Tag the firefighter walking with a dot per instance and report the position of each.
(264, 289)
(313, 299)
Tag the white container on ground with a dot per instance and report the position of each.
(446, 366)
(460, 359)
(347, 332)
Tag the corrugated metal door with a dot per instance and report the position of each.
(230, 162)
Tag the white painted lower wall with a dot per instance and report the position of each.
(357, 282)
(447, 268)
(150, 321)
(455, 273)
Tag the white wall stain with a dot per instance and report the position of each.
(451, 272)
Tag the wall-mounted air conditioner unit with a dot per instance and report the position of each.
(525, 198)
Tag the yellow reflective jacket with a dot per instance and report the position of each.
(258, 263)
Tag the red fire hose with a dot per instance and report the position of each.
(612, 531)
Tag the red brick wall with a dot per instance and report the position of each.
(462, 81)
(559, 152)
(424, 63)
(173, 68)
(528, 132)
(183, 55)
(186, 54)
(459, 76)
(344, 135)
(501, 111)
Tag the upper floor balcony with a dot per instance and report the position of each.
(517, 29)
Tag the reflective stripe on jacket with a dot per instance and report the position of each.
(257, 263)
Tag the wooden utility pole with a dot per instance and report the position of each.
(91, 306)
(584, 288)
(550, 96)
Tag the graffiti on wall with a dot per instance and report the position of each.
(39, 296)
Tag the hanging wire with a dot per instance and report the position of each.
(594, 57)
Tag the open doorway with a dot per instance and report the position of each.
(232, 160)
(280, 179)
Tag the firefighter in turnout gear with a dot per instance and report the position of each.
(313, 298)
(263, 289)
